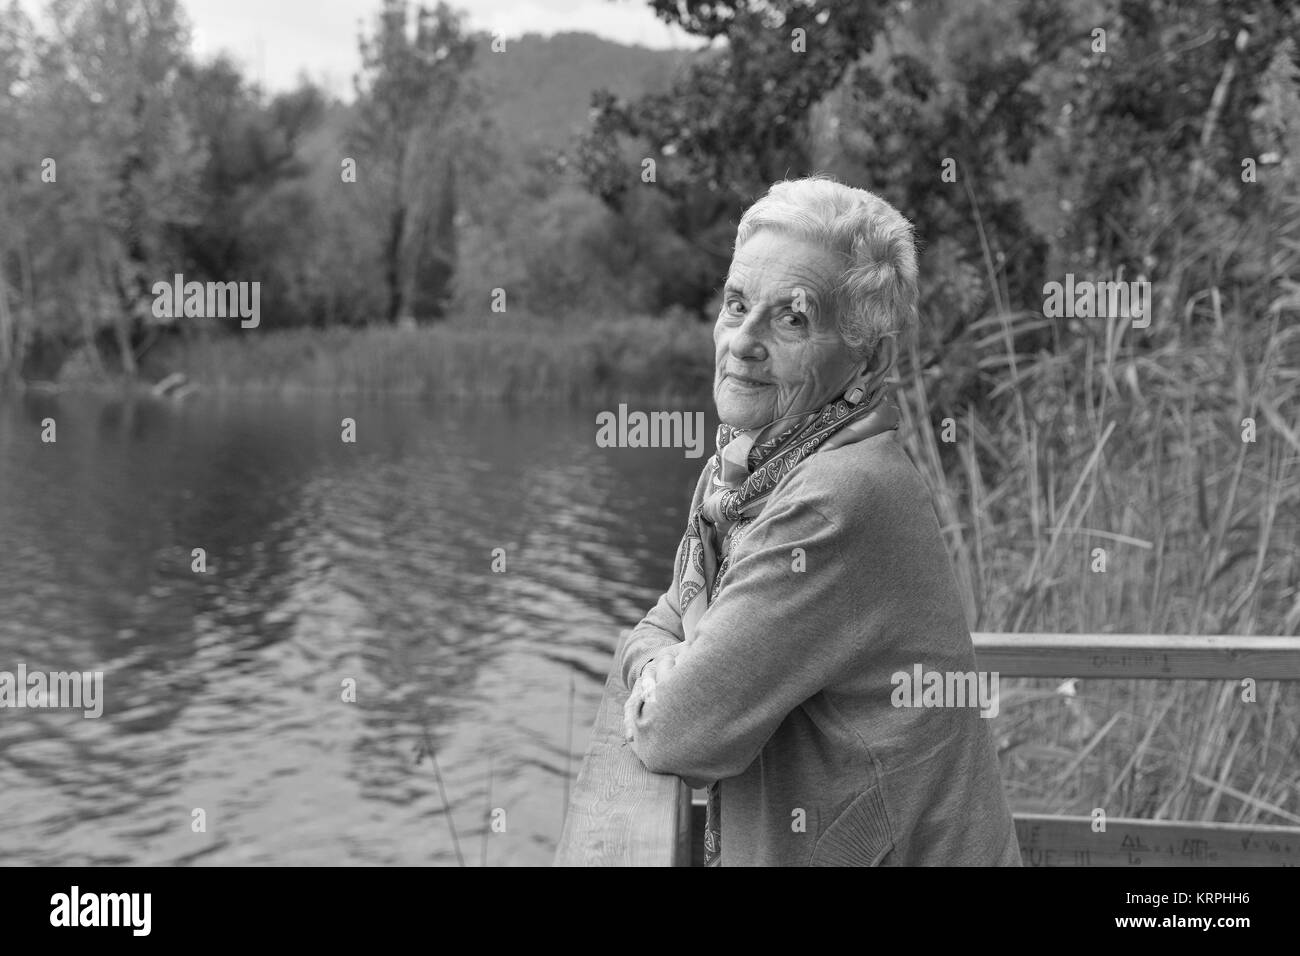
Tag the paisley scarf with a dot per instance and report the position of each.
(740, 478)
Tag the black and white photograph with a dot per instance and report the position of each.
(650, 433)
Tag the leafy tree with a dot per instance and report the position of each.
(1152, 142)
(105, 91)
(411, 130)
(16, 184)
(255, 212)
(739, 117)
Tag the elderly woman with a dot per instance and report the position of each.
(813, 572)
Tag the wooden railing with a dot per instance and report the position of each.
(620, 814)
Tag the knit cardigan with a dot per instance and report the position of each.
(786, 694)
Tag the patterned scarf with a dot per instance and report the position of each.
(741, 477)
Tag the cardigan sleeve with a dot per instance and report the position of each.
(774, 636)
(662, 625)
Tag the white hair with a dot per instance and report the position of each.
(876, 295)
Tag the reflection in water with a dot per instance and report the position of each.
(326, 562)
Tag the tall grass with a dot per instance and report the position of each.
(497, 358)
(1100, 444)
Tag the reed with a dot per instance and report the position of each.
(492, 358)
(1102, 444)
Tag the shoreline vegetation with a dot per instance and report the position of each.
(668, 360)
(492, 359)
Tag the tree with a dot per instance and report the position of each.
(411, 128)
(254, 217)
(106, 90)
(16, 182)
(739, 118)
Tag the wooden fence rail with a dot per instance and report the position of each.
(620, 814)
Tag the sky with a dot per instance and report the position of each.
(276, 40)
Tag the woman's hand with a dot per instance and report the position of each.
(644, 689)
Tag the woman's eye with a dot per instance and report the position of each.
(734, 307)
(793, 320)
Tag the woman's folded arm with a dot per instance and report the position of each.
(662, 625)
(774, 637)
(660, 628)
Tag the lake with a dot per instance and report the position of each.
(329, 565)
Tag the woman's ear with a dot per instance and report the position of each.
(874, 370)
(883, 358)
(879, 364)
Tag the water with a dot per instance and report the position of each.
(326, 562)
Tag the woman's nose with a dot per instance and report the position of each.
(747, 342)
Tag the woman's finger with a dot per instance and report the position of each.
(656, 669)
(643, 691)
(629, 716)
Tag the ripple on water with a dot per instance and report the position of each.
(328, 566)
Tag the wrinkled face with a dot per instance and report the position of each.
(777, 349)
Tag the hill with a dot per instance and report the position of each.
(539, 88)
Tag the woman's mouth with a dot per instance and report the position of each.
(745, 382)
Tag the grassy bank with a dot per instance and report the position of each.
(491, 359)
